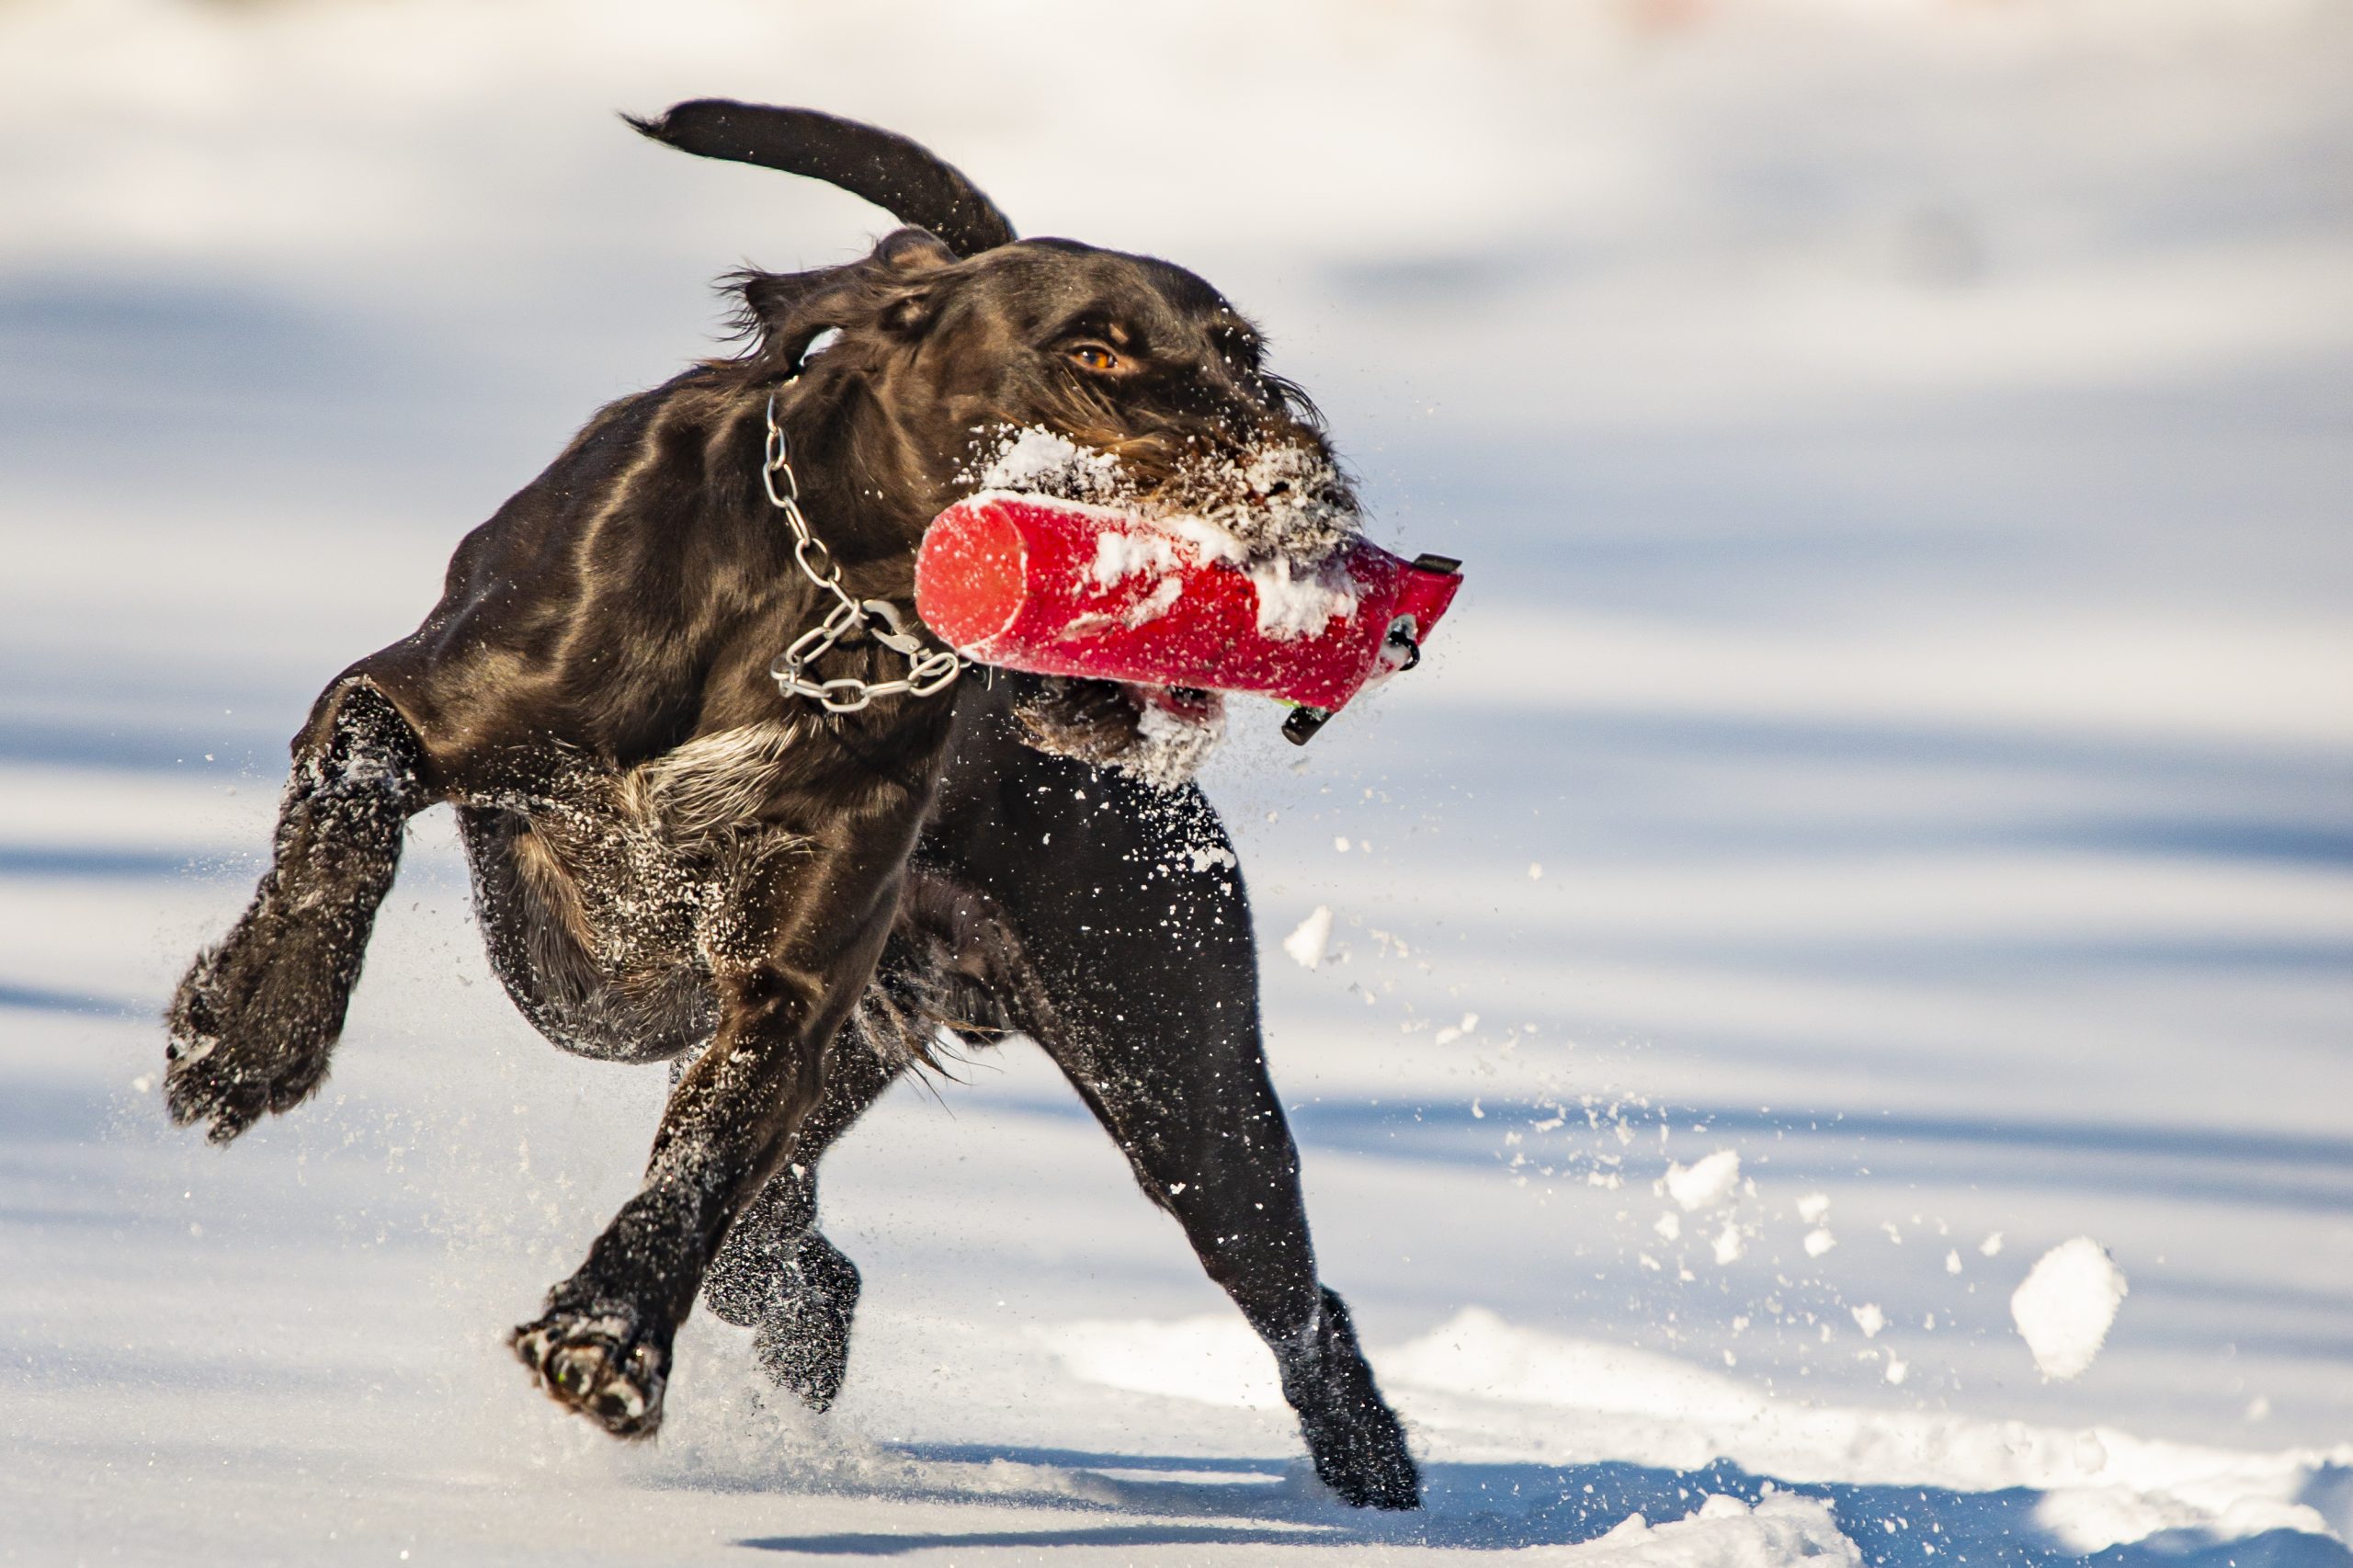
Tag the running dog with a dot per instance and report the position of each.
(789, 899)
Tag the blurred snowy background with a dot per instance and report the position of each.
(1899, 728)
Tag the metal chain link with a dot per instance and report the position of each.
(930, 670)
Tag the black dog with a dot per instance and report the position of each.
(675, 862)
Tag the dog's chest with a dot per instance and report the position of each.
(712, 786)
(644, 865)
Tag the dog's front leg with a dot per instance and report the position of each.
(602, 1347)
(255, 1018)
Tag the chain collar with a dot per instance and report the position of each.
(930, 670)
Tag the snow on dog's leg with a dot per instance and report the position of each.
(602, 1347)
(254, 1020)
(776, 1273)
(792, 1288)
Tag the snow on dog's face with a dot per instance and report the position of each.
(1059, 369)
(1276, 501)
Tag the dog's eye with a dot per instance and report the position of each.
(1095, 357)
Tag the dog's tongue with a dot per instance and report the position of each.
(1056, 587)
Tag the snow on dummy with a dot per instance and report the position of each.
(1244, 574)
(2066, 1305)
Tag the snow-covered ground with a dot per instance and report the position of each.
(1898, 729)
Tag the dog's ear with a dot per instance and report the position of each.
(906, 255)
(911, 251)
(906, 180)
(784, 311)
(787, 310)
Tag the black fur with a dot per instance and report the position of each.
(674, 862)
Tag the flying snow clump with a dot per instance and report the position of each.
(2064, 1309)
(1306, 945)
(1704, 1184)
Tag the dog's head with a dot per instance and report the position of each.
(964, 358)
(957, 358)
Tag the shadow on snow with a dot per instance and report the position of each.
(1504, 1506)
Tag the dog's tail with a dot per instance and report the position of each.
(903, 179)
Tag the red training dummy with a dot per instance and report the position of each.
(1063, 588)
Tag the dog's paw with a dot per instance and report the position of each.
(241, 1046)
(1355, 1440)
(799, 1303)
(1361, 1454)
(599, 1362)
(803, 1342)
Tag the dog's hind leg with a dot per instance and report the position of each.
(789, 956)
(254, 1020)
(776, 1273)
